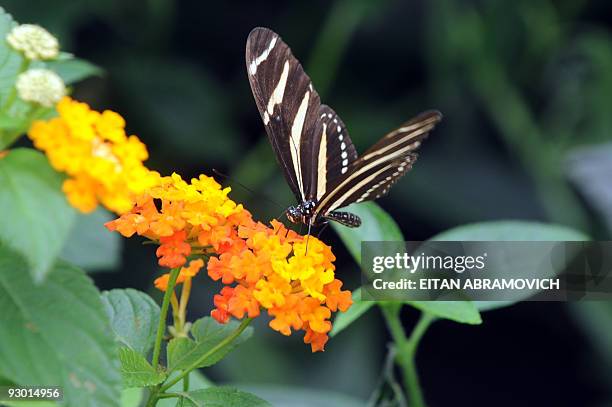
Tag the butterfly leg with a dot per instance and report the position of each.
(308, 235)
(325, 225)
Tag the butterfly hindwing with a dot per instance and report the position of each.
(372, 174)
(287, 102)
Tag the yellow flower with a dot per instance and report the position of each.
(104, 165)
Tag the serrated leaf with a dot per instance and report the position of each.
(133, 318)
(207, 334)
(376, 225)
(136, 371)
(177, 351)
(344, 319)
(222, 397)
(36, 217)
(90, 245)
(56, 333)
(197, 381)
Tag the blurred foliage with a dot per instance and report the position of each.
(522, 85)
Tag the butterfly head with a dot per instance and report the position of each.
(294, 214)
(301, 213)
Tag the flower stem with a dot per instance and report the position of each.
(161, 326)
(205, 356)
(407, 347)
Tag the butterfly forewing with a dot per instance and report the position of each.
(372, 174)
(287, 102)
(333, 152)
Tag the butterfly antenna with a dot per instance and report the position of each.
(220, 174)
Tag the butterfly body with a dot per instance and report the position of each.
(311, 143)
(303, 213)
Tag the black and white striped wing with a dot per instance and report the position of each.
(288, 104)
(372, 174)
(332, 152)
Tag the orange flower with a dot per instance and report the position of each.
(260, 266)
(161, 283)
(173, 250)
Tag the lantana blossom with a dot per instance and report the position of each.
(261, 267)
(103, 163)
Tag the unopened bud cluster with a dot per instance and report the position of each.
(34, 42)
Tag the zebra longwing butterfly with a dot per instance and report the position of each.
(312, 144)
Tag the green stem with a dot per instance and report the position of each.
(186, 383)
(169, 395)
(185, 389)
(205, 356)
(154, 394)
(161, 326)
(407, 348)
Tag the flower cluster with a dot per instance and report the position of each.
(103, 163)
(33, 41)
(290, 276)
(40, 86)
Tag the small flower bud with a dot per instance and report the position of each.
(34, 41)
(40, 86)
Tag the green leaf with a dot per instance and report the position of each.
(464, 312)
(197, 381)
(286, 395)
(222, 397)
(29, 403)
(177, 351)
(207, 334)
(90, 245)
(509, 231)
(131, 397)
(136, 371)
(344, 319)
(589, 168)
(36, 217)
(72, 70)
(11, 123)
(56, 333)
(10, 60)
(376, 225)
(133, 317)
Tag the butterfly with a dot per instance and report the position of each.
(311, 143)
